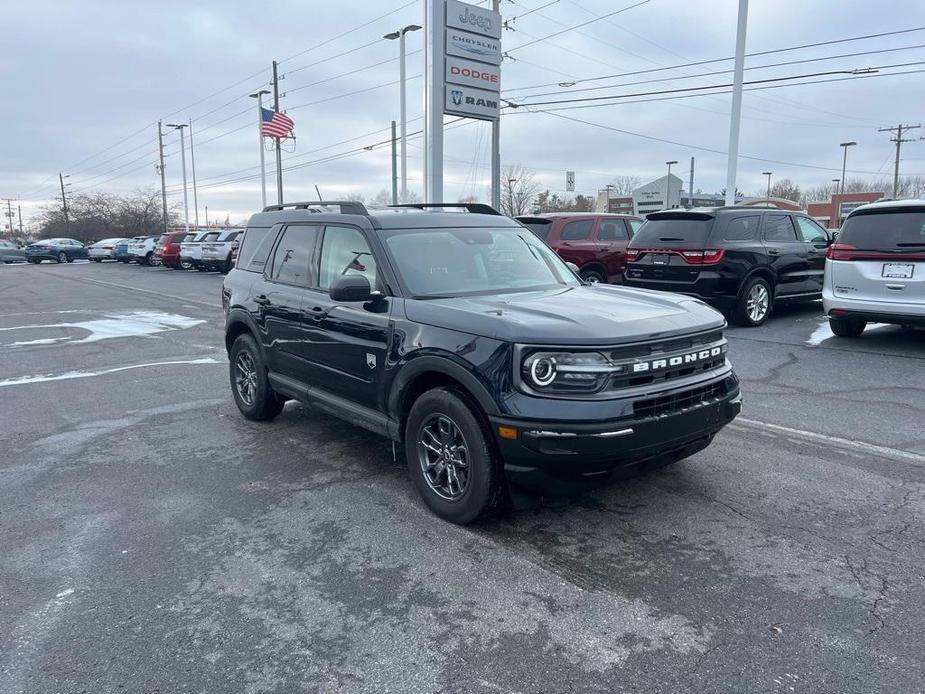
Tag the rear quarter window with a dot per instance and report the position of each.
(742, 228)
(886, 230)
(577, 231)
(255, 248)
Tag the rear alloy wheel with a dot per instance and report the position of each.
(185, 264)
(592, 276)
(847, 327)
(755, 303)
(250, 384)
(62, 257)
(449, 457)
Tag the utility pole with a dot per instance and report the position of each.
(394, 169)
(9, 213)
(496, 148)
(510, 195)
(899, 130)
(263, 168)
(690, 193)
(19, 209)
(279, 156)
(735, 117)
(67, 224)
(160, 149)
(192, 159)
(207, 216)
(180, 127)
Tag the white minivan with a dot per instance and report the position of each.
(875, 271)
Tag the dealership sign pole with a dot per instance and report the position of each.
(463, 76)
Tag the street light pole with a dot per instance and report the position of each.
(768, 174)
(263, 167)
(180, 126)
(668, 186)
(510, 194)
(400, 35)
(192, 160)
(160, 149)
(844, 164)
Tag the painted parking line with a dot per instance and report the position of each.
(159, 294)
(825, 439)
(45, 378)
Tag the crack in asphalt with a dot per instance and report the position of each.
(881, 591)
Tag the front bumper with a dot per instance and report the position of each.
(560, 458)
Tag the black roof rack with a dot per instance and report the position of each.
(473, 207)
(346, 206)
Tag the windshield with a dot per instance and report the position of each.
(455, 262)
(887, 230)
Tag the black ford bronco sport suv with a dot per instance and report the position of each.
(467, 340)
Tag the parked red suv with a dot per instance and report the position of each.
(167, 249)
(595, 242)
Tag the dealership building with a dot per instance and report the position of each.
(652, 197)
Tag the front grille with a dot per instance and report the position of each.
(652, 353)
(680, 401)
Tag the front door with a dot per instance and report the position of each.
(787, 255)
(349, 341)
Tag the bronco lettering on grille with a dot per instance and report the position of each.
(691, 358)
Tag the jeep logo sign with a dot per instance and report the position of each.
(472, 74)
(678, 360)
(479, 20)
(472, 103)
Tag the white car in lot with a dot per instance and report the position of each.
(103, 250)
(217, 253)
(191, 249)
(141, 249)
(875, 271)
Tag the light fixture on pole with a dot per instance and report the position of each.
(180, 126)
(263, 169)
(844, 163)
(768, 174)
(400, 35)
(668, 186)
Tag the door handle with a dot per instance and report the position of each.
(318, 312)
(262, 300)
(773, 251)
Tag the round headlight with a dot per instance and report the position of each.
(542, 370)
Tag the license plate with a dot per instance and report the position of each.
(660, 259)
(898, 270)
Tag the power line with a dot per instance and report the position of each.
(578, 26)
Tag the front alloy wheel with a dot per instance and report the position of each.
(444, 457)
(62, 257)
(245, 378)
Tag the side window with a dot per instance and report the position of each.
(344, 251)
(232, 236)
(810, 231)
(293, 255)
(742, 228)
(577, 231)
(612, 230)
(778, 227)
(635, 225)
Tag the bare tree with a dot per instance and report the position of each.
(518, 188)
(625, 185)
(100, 215)
(785, 189)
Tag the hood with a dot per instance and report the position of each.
(584, 315)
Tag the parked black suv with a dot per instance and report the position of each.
(740, 259)
(465, 338)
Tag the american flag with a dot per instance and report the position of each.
(276, 124)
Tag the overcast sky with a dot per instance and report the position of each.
(85, 83)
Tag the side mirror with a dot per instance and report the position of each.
(352, 288)
(573, 267)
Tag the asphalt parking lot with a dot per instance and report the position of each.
(151, 539)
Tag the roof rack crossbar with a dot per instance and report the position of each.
(473, 207)
(346, 206)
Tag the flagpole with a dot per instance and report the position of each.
(263, 168)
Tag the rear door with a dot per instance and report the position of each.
(612, 237)
(279, 297)
(577, 243)
(817, 242)
(788, 256)
(880, 256)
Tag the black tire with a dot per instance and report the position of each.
(62, 257)
(847, 327)
(481, 490)
(258, 401)
(185, 265)
(593, 276)
(755, 303)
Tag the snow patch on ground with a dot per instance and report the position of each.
(133, 324)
